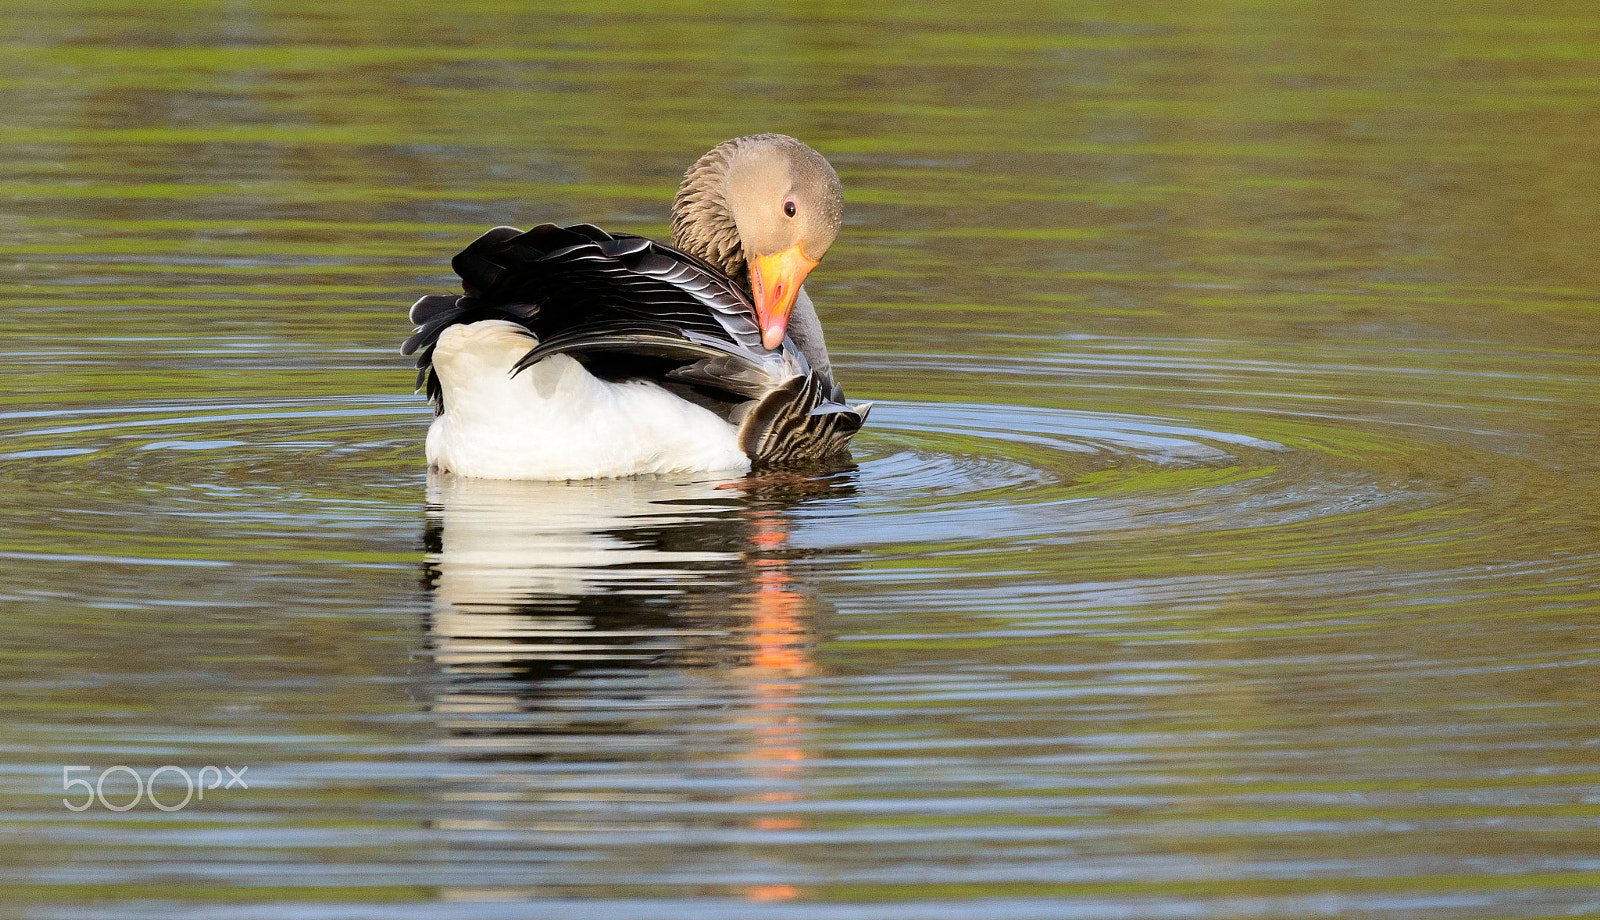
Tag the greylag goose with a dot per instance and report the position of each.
(576, 354)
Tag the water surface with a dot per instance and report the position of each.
(1225, 541)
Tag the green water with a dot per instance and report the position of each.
(1226, 541)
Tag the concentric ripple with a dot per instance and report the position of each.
(924, 471)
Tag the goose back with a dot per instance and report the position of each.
(627, 307)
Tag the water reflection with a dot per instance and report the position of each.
(592, 622)
(532, 581)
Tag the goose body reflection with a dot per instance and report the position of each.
(541, 577)
(575, 353)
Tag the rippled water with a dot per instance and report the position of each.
(1225, 541)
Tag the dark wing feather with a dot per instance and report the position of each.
(631, 307)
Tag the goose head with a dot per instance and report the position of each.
(763, 208)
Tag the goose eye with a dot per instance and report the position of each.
(788, 207)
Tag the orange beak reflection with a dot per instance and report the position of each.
(775, 281)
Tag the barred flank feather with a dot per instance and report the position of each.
(799, 421)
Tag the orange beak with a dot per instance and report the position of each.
(775, 280)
